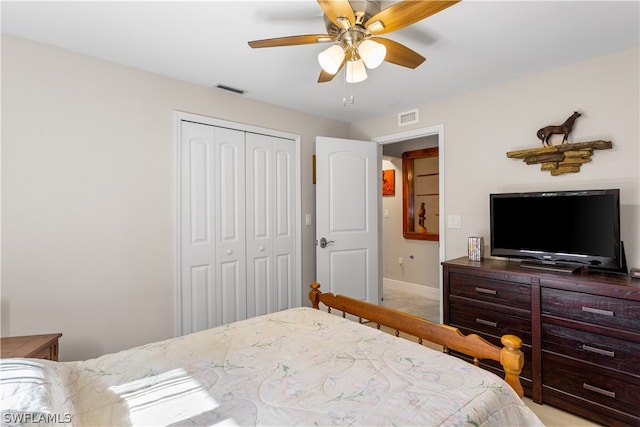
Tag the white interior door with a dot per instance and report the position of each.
(347, 217)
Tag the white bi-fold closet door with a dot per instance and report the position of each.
(237, 254)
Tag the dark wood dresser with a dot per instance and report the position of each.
(580, 331)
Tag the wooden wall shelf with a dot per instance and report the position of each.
(563, 158)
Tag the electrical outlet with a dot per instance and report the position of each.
(400, 260)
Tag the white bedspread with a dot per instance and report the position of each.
(296, 367)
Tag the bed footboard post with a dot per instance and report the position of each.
(512, 360)
(314, 295)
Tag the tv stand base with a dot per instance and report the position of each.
(558, 268)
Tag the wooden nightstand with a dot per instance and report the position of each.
(33, 346)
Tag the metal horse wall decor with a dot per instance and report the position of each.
(545, 133)
(560, 158)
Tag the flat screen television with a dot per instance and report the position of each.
(565, 229)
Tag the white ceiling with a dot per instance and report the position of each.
(468, 46)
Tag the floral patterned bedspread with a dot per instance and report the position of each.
(296, 367)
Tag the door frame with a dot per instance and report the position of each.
(178, 117)
(437, 130)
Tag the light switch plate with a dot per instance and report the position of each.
(454, 221)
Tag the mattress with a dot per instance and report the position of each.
(295, 367)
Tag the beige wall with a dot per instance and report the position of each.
(482, 126)
(88, 194)
(88, 191)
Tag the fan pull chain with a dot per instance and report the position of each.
(352, 98)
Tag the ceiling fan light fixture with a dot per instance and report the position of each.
(331, 59)
(372, 53)
(356, 71)
(375, 26)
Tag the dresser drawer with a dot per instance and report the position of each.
(594, 348)
(598, 310)
(494, 291)
(489, 321)
(599, 386)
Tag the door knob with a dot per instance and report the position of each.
(324, 242)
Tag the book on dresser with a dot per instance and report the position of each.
(580, 331)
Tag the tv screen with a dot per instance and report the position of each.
(574, 228)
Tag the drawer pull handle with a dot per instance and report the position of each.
(609, 353)
(598, 311)
(486, 291)
(486, 322)
(599, 390)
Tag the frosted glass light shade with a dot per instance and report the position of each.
(356, 71)
(372, 53)
(331, 59)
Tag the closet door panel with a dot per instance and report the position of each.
(261, 285)
(200, 297)
(284, 225)
(270, 225)
(284, 297)
(229, 217)
(197, 239)
(259, 231)
(231, 300)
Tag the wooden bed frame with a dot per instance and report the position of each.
(450, 338)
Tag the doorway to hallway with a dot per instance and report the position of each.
(411, 270)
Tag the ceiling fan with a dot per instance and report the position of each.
(353, 28)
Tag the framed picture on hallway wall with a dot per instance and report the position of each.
(388, 182)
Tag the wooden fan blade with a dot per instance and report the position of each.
(405, 13)
(335, 9)
(399, 54)
(292, 40)
(326, 77)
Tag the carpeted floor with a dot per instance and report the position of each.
(411, 303)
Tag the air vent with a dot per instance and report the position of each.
(231, 89)
(408, 117)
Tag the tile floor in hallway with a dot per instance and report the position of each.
(429, 309)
